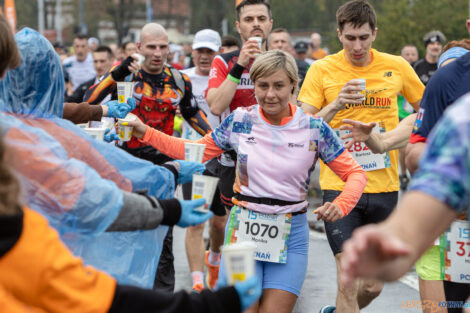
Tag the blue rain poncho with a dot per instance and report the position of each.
(72, 179)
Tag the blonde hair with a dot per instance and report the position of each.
(273, 60)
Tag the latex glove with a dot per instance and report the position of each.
(110, 137)
(189, 217)
(187, 169)
(120, 110)
(248, 291)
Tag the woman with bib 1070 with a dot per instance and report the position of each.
(277, 146)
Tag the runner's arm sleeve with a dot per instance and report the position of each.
(191, 112)
(356, 180)
(100, 90)
(133, 299)
(333, 154)
(82, 112)
(174, 147)
(141, 212)
(311, 92)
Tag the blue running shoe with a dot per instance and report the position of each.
(328, 309)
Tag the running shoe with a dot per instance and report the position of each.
(197, 288)
(212, 273)
(328, 309)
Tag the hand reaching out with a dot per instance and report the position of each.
(359, 131)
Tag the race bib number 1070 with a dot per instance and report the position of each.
(268, 231)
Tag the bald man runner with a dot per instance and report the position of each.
(159, 90)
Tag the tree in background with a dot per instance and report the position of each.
(401, 22)
(210, 14)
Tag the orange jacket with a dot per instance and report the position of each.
(40, 271)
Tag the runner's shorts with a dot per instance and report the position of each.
(227, 178)
(211, 170)
(289, 276)
(371, 208)
(428, 267)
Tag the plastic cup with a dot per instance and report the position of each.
(97, 133)
(204, 187)
(239, 261)
(125, 132)
(259, 40)
(362, 82)
(140, 59)
(125, 91)
(194, 152)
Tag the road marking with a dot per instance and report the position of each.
(410, 279)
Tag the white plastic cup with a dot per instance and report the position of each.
(259, 40)
(194, 152)
(125, 91)
(140, 59)
(362, 84)
(204, 187)
(239, 261)
(96, 133)
(125, 132)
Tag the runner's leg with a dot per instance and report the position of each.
(346, 298)
(337, 233)
(279, 301)
(368, 290)
(431, 290)
(379, 207)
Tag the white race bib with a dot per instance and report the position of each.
(457, 252)
(368, 160)
(269, 232)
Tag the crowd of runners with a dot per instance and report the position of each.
(86, 225)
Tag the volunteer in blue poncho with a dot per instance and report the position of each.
(81, 185)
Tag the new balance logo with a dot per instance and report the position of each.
(387, 74)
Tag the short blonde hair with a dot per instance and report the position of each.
(9, 55)
(273, 60)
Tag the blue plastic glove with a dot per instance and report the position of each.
(189, 217)
(110, 137)
(187, 169)
(120, 110)
(248, 291)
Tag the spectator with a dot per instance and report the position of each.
(229, 44)
(280, 39)
(93, 43)
(410, 53)
(79, 67)
(317, 51)
(301, 49)
(427, 66)
(128, 48)
(102, 60)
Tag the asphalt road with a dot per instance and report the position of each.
(320, 283)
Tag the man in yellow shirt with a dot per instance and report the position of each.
(334, 89)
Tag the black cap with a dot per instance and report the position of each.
(301, 47)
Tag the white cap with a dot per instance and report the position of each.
(207, 38)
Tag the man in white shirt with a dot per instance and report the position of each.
(79, 67)
(206, 46)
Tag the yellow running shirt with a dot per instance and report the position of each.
(386, 76)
